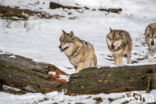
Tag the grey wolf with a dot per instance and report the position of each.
(119, 44)
(150, 38)
(80, 53)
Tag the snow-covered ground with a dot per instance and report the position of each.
(60, 98)
(39, 39)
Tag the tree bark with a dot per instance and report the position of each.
(112, 79)
(33, 76)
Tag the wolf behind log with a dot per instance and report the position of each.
(150, 38)
(80, 53)
(119, 43)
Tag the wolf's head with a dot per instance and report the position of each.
(67, 42)
(151, 36)
(114, 39)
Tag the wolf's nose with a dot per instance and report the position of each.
(59, 46)
(112, 46)
(152, 43)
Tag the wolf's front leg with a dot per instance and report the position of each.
(80, 66)
(119, 60)
(150, 56)
(115, 58)
(129, 58)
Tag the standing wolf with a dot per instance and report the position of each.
(79, 52)
(150, 37)
(120, 44)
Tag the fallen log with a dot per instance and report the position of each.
(113, 10)
(54, 5)
(16, 13)
(26, 74)
(112, 79)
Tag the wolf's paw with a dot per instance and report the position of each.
(118, 64)
(77, 71)
(150, 58)
(129, 62)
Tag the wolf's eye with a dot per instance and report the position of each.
(69, 41)
(149, 35)
(110, 38)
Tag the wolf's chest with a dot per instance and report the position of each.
(152, 47)
(75, 60)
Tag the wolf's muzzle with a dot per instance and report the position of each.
(62, 50)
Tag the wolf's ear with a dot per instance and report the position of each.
(149, 28)
(63, 32)
(71, 34)
(121, 33)
(110, 29)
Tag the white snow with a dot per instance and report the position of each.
(64, 77)
(11, 88)
(60, 98)
(39, 39)
(12, 56)
(52, 73)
